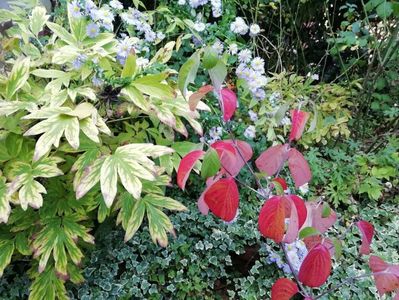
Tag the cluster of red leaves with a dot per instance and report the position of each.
(221, 197)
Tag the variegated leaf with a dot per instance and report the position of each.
(19, 75)
(9, 107)
(38, 19)
(6, 251)
(5, 208)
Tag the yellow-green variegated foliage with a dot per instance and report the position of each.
(71, 146)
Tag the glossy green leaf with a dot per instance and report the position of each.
(308, 231)
(188, 72)
(211, 164)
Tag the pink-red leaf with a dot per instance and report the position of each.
(292, 230)
(299, 168)
(222, 198)
(271, 219)
(281, 182)
(300, 208)
(315, 214)
(316, 266)
(271, 160)
(186, 165)
(229, 103)
(284, 289)
(299, 119)
(196, 97)
(367, 232)
(386, 276)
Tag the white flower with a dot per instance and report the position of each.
(304, 189)
(218, 47)
(285, 121)
(181, 2)
(253, 116)
(313, 76)
(245, 56)
(199, 26)
(160, 35)
(258, 64)
(216, 8)
(233, 49)
(388, 185)
(254, 30)
(250, 132)
(142, 62)
(239, 26)
(116, 4)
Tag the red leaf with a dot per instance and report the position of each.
(196, 97)
(292, 230)
(386, 276)
(281, 182)
(299, 119)
(315, 217)
(222, 198)
(186, 165)
(231, 160)
(316, 266)
(299, 168)
(284, 289)
(271, 160)
(300, 208)
(202, 206)
(314, 240)
(229, 103)
(367, 231)
(271, 219)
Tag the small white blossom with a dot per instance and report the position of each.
(116, 4)
(239, 26)
(250, 132)
(245, 56)
(254, 30)
(199, 26)
(233, 49)
(253, 116)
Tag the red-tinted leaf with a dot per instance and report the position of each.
(222, 198)
(186, 165)
(299, 119)
(315, 211)
(316, 266)
(292, 230)
(202, 206)
(315, 240)
(196, 97)
(386, 276)
(299, 168)
(271, 160)
(367, 231)
(281, 182)
(229, 103)
(284, 289)
(300, 208)
(271, 219)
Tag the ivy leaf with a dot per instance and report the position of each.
(284, 289)
(48, 286)
(186, 165)
(222, 198)
(187, 72)
(229, 103)
(6, 251)
(38, 19)
(316, 266)
(210, 164)
(386, 276)
(18, 76)
(367, 232)
(5, 208)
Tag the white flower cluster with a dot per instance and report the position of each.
(215, 134)
(296, 253)
(216, 8)
(253, 72)
(240, 27)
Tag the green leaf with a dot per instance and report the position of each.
(308, 231)
(62, 33)
(158, 224)
(48, 286)
(5, 208)
(22, 243)
(384, 10)
(9, 107)
(280, 113)
(129, 69)
(6, 251)
(133, 94)
(338, 248)
(48, 73)
(163, 202)
(14, 144)
(218, 74)
(136, 217)
(188, 72)
(210, 58)
(326, 210)
(38, 19)
(152, 86)
(19, 75)
(210, 164)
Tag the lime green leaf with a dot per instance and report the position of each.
(19, 75)
(326, 210)
(48, 73)
(218, 73)
(210, 58)
(210, 164)
(136, 217)
(62, 33)
(48, 286)
(14, 144)
(133, 94)
(164, 202)
(5, 208)
(308, 231)
(6, 251)
(9, 107)
(130, 66)
(152, 86)
(188, 72)
(38, 19)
